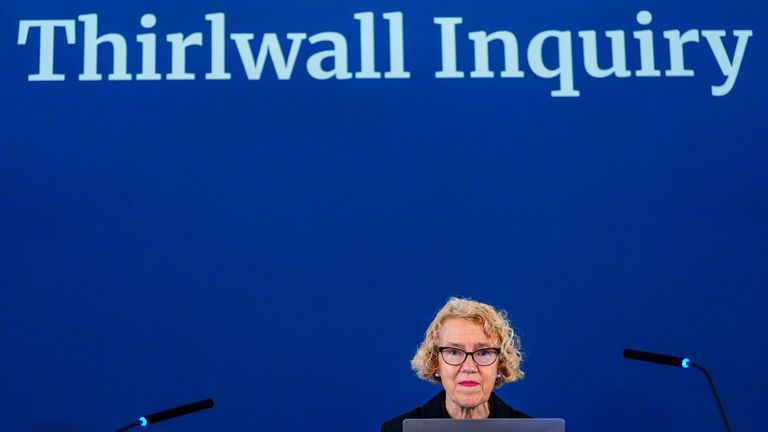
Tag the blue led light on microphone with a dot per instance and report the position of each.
(685, 363)
(142, 421)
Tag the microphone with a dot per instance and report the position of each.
(169, 414)
(685, 363)
(664, 359)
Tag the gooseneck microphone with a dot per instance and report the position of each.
(683, 362)
(664, 359)
(169, 414)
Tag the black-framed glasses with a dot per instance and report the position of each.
(455, 356)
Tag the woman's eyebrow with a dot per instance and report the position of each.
(454, 345)
(482, 345)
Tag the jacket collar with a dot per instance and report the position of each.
(435, 408)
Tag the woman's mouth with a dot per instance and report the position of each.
(469, 383)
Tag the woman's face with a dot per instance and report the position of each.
(467, 385)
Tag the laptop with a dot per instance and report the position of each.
(485, 425)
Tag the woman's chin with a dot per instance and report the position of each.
(469, 401)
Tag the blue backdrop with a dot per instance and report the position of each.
(281, 244)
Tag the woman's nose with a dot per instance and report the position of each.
(469, 365)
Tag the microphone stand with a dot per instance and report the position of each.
(714, 392)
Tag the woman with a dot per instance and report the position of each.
(469, 349)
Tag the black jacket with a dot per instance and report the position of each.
(435, 408)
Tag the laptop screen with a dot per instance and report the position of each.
(484, 425)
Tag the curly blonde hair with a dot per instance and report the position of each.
(495, 325)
